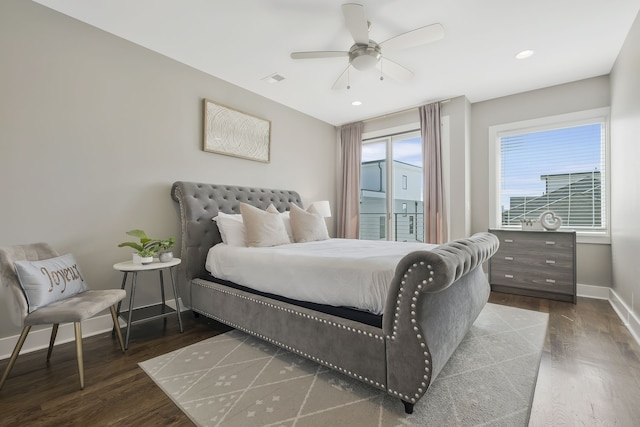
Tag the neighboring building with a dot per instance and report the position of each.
(576, 198)
(408, 222)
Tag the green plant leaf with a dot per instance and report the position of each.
(147, 253)
(133, 245)
(137, 233)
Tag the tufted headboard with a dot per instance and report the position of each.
(198, 204)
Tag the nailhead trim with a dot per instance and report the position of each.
(378, 384)
(414, 320)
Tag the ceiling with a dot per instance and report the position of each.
(244, 41)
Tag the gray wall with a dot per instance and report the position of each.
(594, 260)
(625, 158)
(95, 129)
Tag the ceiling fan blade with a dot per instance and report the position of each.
(417, 37)
(319, 54)
(356, 22)
(394, 70)
(342, 81)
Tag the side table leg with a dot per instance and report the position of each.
(133, 292)
(175, 294)
(162, 286)
(115, 324)
(162, 293)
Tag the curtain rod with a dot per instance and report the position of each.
(395, 113)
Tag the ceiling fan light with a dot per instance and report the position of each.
(363, 57)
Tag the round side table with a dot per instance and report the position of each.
(157, 311)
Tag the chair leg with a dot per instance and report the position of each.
(14, 355)
(116, 326)
(54, 333)
(79, 353)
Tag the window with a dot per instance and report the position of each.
(391, 188)
(554, 164)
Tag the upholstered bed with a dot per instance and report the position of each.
(432, 301)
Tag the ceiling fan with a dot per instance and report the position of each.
(366, 53)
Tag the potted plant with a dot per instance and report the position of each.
(164, 246)
(147, 248)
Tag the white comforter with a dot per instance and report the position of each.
(338, 272)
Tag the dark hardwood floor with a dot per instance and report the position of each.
(590, 368)
(589, 373)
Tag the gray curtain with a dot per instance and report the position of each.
(435, 217)
(349, 206)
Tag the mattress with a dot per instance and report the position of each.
(337, 272)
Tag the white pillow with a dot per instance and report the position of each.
(307, 227)
(263, 228)
(285, 218)
(231, 229)
(50, 280)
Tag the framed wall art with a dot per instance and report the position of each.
(234, 133)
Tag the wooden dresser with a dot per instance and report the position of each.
(535, 263)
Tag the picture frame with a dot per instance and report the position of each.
(234, 133)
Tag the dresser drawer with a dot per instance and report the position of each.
(535, 241)
(551, 279)
(539, 260)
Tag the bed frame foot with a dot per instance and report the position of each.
(196, 314)
(408, 407)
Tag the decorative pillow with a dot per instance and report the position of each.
(263, 228)
(50, 280)
(307, 227)
(231, 229)
(285, 218)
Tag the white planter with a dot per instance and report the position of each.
(146, 259)
(137, 259)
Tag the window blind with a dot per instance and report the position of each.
(560, 169)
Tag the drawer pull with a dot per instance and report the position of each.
(550, 261)
(550, 281)
(508, 240)
(550, 242)
(509, 258)
(509, 276)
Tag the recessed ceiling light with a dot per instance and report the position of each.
(525, 54)
(356, 103)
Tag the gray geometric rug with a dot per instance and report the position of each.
(235, 379)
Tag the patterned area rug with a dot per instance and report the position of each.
(235, 379)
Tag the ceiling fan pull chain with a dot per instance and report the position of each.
(381, 64)
(348, 78)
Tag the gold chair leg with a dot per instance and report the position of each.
(79, 353)
(54, 333)
(14, 355)
(116, 326)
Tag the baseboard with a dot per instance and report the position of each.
(39, 339)
(628, 317)
(595, 292)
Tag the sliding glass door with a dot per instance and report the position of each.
(391, 206)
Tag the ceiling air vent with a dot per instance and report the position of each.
(273, 78)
